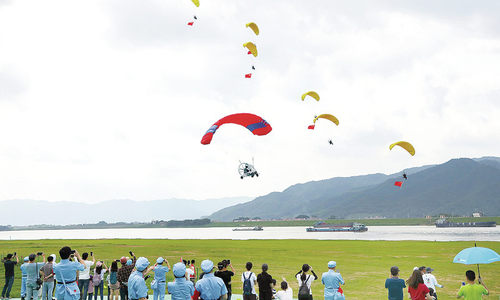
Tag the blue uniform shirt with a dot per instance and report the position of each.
(67, 270)
(332, 281)
(181, 289)
(160, 272)
(211, 287)
(23, 270)
(31, 271)
(137, 286)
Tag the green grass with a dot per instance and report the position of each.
(363, 264)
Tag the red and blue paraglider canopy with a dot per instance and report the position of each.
(254, 123)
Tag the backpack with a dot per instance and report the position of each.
(304, 289)
(247, 284)
(96, 280)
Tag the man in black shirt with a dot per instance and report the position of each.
(225, 275)
(9, 274)
(265, 282)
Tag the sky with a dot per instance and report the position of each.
(109, 99)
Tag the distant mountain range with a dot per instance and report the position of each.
(31, 212)
(459, 187)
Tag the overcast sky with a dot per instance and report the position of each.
(109, 99)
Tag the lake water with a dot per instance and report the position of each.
(389, 233)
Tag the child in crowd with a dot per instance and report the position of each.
(286, 292)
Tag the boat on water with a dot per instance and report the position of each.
(256, 228)
(445, 223)
(325, 227)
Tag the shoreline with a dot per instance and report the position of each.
(274, 223)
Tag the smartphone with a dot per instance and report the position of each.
(228, 261)
(39, 253)
(91, 253)
(15, 253)
(147, 277)
(131, 254)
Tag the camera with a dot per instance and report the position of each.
(131, 254)
(228, 261)
(73, 251)
(15, 253)
(39, 283)
(91, 253)
(220, 265)
(39, 253)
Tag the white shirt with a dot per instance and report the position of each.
(308, 281)
(430, 281)
(85, 274)
(253, 279)
(285, 295)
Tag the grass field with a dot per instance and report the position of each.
(363, 264)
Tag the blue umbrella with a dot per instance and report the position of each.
(476, 256)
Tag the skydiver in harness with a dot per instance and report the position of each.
(405, 177)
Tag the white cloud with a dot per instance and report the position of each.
(109, 99)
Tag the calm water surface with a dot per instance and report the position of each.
(389, 233)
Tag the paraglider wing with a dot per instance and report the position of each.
(196, 2)
(251, 48)
(327, 117)
(405, 145)
(311, 94)
(254, 123)
(254, 27)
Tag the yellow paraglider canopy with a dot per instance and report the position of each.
(254, 27)
(196, 2)
(328, 117)
(251, 47)
(311, 94)
(405, 145)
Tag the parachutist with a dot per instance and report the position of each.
(330, 142)
(253, 68)
(195, 18)
(247, 170)
(405, 177)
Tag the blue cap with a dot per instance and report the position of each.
(129, 262)
(160, 260)
(141, 264)
(207, 266)
(179, 270)
(26, 258)
(332, 264)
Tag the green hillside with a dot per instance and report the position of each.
(457, 187)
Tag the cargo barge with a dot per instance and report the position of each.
(444, 223)
(256, 228)
(325, 227)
